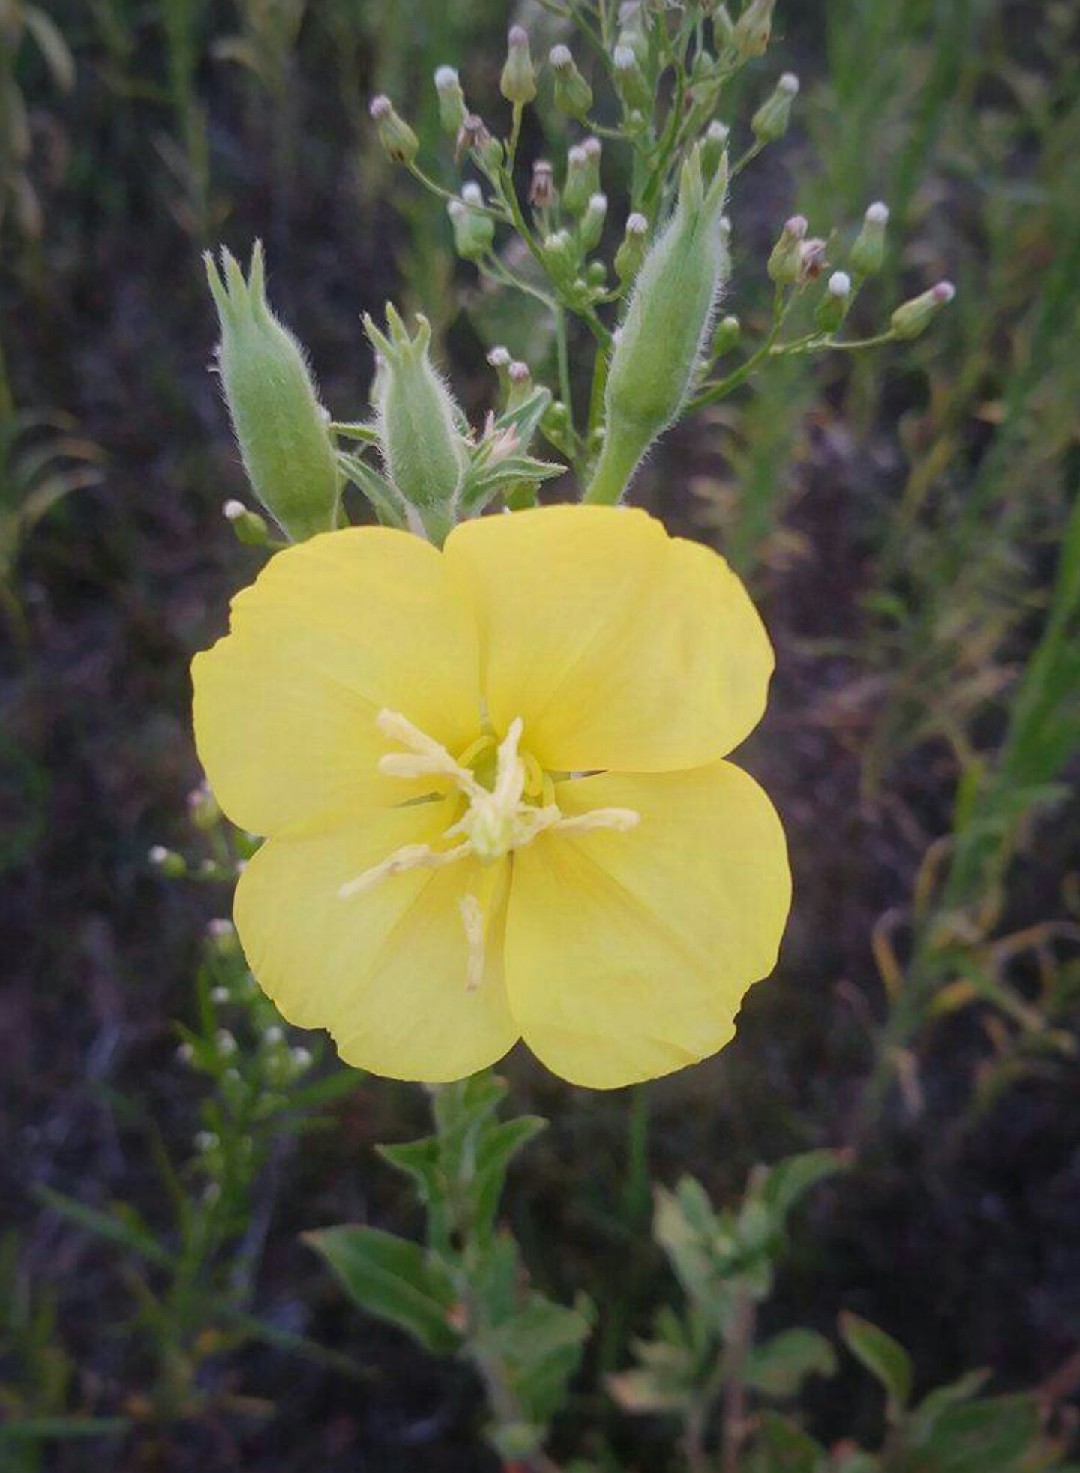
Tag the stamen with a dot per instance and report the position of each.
(472, 918)
(409, 856)
(425, 757)
(621, 820)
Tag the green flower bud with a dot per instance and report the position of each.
(474, 231)
(785, 261)
(499, 358)
(172, 865)
(573, 95)
(423, 452)
(655, 360)
(560, 257)
(868, 252)
(452, 109)
(713, 148)
(751, 32)
(771, 120)
(632, 33)
(631, 253)
(582, 175)
(518, 81)
(520, 380)
(282, 429)
(399, 141)
(833, 307)
(727, 334)
(596, 275)
(634, 91)
(555, 426)
(249, 526)
(591, 226)
(912, 318)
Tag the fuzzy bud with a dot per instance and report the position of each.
(833, 307)
(249, 526)
(399, 141)
(631, 252)
(572, 94)
(664, 330)
(172, 865)
(518, 81)
(727, 334)
(452, 109)
(422, 449)
(582, 175)
(519, 379)
(630, 82)
(785, 261)
(282, 429)
(913, 317)
(560, 257)
(542, 186)
(475, 137)
(868, 252)
(591, 226)
(750, 33)
(474, 232)
(771, 120)
(713, 147)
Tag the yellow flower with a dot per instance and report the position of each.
(492, 783)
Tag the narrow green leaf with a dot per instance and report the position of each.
(884, 1357)
(392, 1278)
(780, 1365)
(105, 1225)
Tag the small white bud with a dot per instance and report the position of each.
(233, 510)
(471, 193)
(226, 1043)
(219, 928)
(499, 357)
(446, 79)
(839, 284)
(789, 83)
(560, 57)
(185, 1053)
(220, 995)
(878, 213)
(273, 1036)
(157, 854)
(636, 224)
(518, 372)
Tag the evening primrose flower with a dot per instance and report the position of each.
(494, 786)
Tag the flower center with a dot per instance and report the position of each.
(509, 800)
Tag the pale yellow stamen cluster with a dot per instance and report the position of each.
(497, 820)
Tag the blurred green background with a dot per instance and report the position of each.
(906, 520)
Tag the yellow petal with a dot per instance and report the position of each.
(619, 646)
(332, 630)
(386, 971)
(628, 954)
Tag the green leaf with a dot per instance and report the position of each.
(884, 1357)
(780, 1366)
(540, 1347)
(783, 1447)
(790, 1180)
(123, 1231)
(997, 1434)
(497, 1149)
(925, 1416)
(643, 1392)
(394, 1279)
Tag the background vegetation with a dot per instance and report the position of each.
(907, 521)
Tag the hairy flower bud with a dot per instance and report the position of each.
(249, 526)
(666, 326)
(591, 227)
(750, 34)
(630, 81)
(399, 141)
(833, 307)
(582, 175)
(727, 334)
(518, 81)
(573, 95)
(560, 257)
(868, 252)
(452, 109)
(474, 231)
(785, 261)
(713, 148)
(475, 137)
(542, 186)
(913, 317)
(631, 252)
(281, 427)
(771, 120)
(423, 451)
